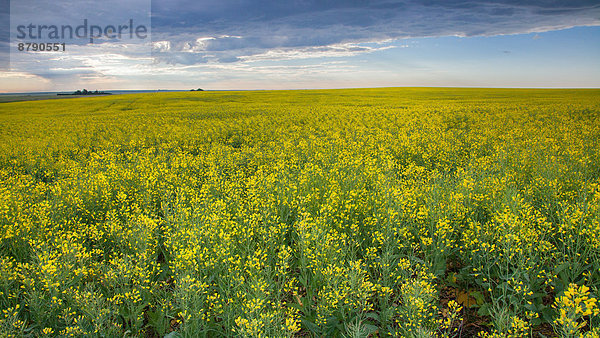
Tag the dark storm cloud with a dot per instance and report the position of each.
(228, 30)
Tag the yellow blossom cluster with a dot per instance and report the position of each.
(363, 212)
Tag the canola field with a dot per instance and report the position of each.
(405, 212)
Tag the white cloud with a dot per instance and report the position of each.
(336, 50)
(161, 46)
(15, 81)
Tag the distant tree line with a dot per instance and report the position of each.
(86, 92)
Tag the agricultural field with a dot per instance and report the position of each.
(407, 212)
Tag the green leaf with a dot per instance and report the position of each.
(372, 315)
(173, 334)
(478, 297)
(484, 310)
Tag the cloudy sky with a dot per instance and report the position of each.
(250, 44)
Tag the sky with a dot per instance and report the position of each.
(297, 44)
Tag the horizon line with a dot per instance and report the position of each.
(298, 89)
